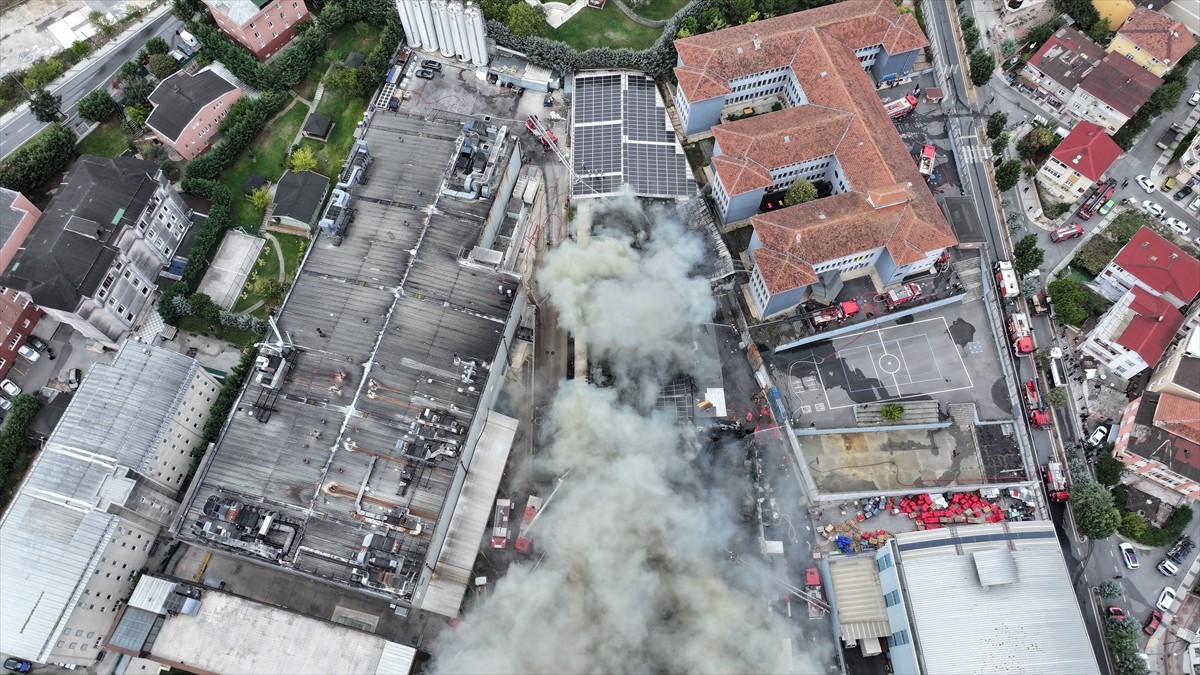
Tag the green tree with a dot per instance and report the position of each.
(1027, 255)
(38, 159)
(999, 145)
(1133, 526)
(137, 113)
(1110, 589)
(688, 27)
(1095, 515)
(971, 37)
(1040, 33)
(982, 64)
(1100, 30)
(1008, 175)
(46, 107)
(100, 22)
(303, 159)
(525, 20)
(157, 153)
(96, 106)
(42, 73)
(739, 12)
(892, 412)
(137, 91)
(1109, 469)
(261, 198)
(129, 70)
(1008, 47)
(495, 10)
(342, 78)
(799, 192)
(156, 45)
(270, 290)
(1069, 303)
(1056, 397)
(204, 308)
(1038, 140)
(162, 66)
(1082, 11)
(1121, 634)
(996, 123)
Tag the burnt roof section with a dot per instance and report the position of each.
(67, 254)
(181, 96)
(299, 194)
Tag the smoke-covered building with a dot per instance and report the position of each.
(876, 217)
(91, 509)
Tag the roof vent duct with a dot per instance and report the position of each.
(757, 42)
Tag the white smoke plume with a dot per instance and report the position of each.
(630, 572)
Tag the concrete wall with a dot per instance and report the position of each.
(893, 66)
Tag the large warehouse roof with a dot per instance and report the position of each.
(1012, 579)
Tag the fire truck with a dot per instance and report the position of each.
(901, 106)
(540, 131)
(1056, 482)
(1097, 199)
(1006, 279)
(926, 165)
(1020, 334)
(899, 296)
(532, 508)
(1039, 417)
(500, 523)
(816, 601)
(838, 313)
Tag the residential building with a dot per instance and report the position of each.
(18, 313)
(1012, 572)
(90, 511)
(1178, 373)
(878, 219)
(168, 622)
(1116, 11)
(1151, 40)
(1077, 163)
(188, 110)
(1159, 440)
(1133, 334)
(99, 248)
(1155, 265)
(1060, 65)
(1111, 94)
(298, 199)
(261, 26)
(1189, 162)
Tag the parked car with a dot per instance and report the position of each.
(74, 377)
(1097, 438)
(1116, 612)
(1167, 568)
(9, 387)
(5, 404)
(1154, 209)
(1178, 225)
(1182, 193)
(15, 665)
(1166, 599)
(1194, 99)
(1195, 205)
(1108, 206)
(1169, 184)
(1128, 555)
(424, 74)
(1152, 623)
(1145, 183)
(1181, 549)
(431, 65)
(37, 343)
(29, 353)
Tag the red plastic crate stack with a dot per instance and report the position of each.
(962, 505)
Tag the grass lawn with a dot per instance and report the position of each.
(269, 151)
(344, 41)
(292, 246)
(194, 324)
(606, 27)
(659, 10)
(108, 140)
(345, 110)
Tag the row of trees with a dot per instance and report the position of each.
(12, 440)
(980, 62)
(38, 160)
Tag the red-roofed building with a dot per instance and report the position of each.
(1155, 265)
(1078, 163)
(1159, 441)
(1153, 41)
(878, 219)
(1133, 334)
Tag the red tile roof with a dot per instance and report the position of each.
(1161, 265)
(1161, 36)
(1121, 83)
(1088, 150)
(1152, 327)
(1179, 416)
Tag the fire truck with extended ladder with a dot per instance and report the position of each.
(901, 106)
(540, 132)
(1039, 416)
(1056, 482)
(1020, 334)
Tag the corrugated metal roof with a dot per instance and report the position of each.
(152, 593)
(995, 567)
(858, 598)
(452, 572)
(1031, 626)
(397, 659)
(52, 536)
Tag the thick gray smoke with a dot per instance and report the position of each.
(630, 573)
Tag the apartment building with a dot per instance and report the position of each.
(95, 256)
(89, 513)
(18, 313)
(1154, 264)
(188, 110)
(261, 26)
(875, 218)
(1158, 440)
(1078, 163)
(1060, 65)
(1178, 373)
(1111, 94)
(1151, 40)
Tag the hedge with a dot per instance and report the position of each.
(219, 219)
(239, 134)
(220, 411)
(12, 436)
(42, 158)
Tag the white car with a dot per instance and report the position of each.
(1145, 183)
(1154, 209)
(29, 353)
(1195, 98)
(5, 404)
(1128, 555)
(1195, 205)
(9, 387)
(1178, 225)
(1166, 599)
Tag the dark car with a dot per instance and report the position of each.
(37, 343)
(1152, 623)
(431, 65)
(424, 74)
(1182, 193)
(16, 665)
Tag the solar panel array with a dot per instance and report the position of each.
(621, 135)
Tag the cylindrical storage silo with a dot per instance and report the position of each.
(430, 36)
(479, 36)
(441, 23)
(469, 32)
(410, 26)
(458, 28)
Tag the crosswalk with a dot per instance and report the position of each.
(974, 154)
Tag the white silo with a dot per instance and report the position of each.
(409, 24)
(478, 36)
(458, 28)
(442, 22)
(469, 34)
(429, 37)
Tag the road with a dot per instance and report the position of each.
(86, 77)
